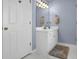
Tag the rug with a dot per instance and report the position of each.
(60, 51)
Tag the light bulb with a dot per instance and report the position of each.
(47, 6)
(43, 4)
(39, 5)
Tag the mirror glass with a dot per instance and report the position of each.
(42, 16)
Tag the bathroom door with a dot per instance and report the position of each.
(17, 28)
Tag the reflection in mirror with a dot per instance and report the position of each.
(42, 21)
(42, 16)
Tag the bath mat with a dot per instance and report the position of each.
(60, 51)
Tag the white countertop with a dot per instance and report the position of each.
(47, 29)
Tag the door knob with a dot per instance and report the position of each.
(5, 28)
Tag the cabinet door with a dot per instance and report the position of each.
(42, 43)
(52, 39)
(55, 35)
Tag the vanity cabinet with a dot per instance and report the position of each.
(46, 39)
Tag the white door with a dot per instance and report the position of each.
(17, 28)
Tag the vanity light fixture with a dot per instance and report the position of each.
(41, 4)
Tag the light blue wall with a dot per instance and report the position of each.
(33, 25)
(66, 9)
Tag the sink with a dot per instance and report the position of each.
(47, 29)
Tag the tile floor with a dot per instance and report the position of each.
(72, 53)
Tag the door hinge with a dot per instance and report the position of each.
(30, 1)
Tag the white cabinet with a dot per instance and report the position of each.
(46, 39)
(52, 39)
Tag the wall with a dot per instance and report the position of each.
(66, 9)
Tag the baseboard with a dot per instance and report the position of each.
(33, 51)
(29, 53)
